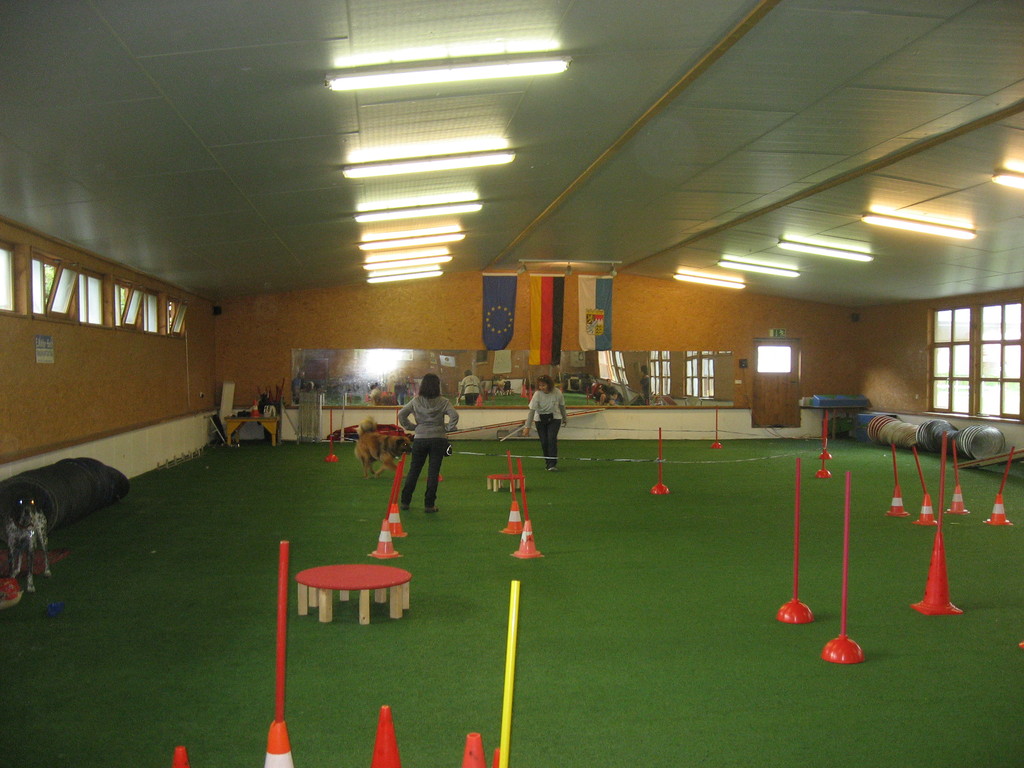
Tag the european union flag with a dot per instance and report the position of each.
(499, 310)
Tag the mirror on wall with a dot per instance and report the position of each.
(390, 377)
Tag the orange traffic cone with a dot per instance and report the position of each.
(998, 513)
(473, 756)
(936, 591)
(279, 749)
(956, 506)
(497, 750)
(515, 522)
(527, 547)
(180, 758)
(395, 521)
(254, 412)
(385, 746)
(385, 548)
(896, 509)
(927, 514)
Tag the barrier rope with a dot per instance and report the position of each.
(625, 460)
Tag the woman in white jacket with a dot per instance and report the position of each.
(547, 411)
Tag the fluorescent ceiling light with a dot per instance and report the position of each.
(402, 263)
(917, 223)
(420, 201)
(411, 242)
(455, 50)
(427, 164)
(418, 213)
(445, 230)
(720, 282)
(413, 253)
(734, 262)
(1009, 178)
(821, 249)
(413, 276)
(403, 270)
(482, 68)
(422, 149)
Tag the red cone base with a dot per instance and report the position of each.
(823, 474)
(716, 444)
(660, 489)
(795, 612)
(842, 650)
(330, 456)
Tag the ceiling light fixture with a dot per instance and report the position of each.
(402, 263)
(719, 282)
(411, 242)
(411, 276)
(822, 249)
(420, 149)
(1009, 178)
(916, 223)
(418, 213)
(403, 270)
(413, 253)
(428, 164)
(451, 71)
(419, 202)
(398, 234)
(735, 262)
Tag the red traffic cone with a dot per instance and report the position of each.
(385, 746)
(998, 513)
(279, 749)
(896, 508)
(927, 514)
(497, 750)
(956, 506)
(936, 590)
(527, 547)
(515, 522)
(180, 758)
(473, 756)
(385, 548)
(254, 412)
(395, 521)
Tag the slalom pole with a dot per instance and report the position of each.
(282, 629)
(796, 612)
(716, 444)
(510, 674)
(660, 489)
(1006, 471)
(920, 474)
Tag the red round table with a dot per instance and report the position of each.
(317, 585)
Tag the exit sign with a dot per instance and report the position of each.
(778, 333)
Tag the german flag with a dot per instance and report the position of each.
(547, 296)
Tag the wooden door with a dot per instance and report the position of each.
(776, 400)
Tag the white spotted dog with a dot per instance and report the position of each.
(26, 529)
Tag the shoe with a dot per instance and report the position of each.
(430, 510)
(552, 469)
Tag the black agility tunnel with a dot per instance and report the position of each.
(66, 491)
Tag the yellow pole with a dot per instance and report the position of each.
(510, 674)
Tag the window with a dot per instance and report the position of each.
(700, 374)
(6, 278)
(176, 317)
(976, 360)
(661, 373)
(54, 287)
(90, 299)
(136, 308)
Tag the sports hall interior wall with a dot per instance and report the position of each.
(103, 381)
(256, 334)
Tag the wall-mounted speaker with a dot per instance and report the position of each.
(216, 309)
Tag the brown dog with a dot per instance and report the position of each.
(372, 446)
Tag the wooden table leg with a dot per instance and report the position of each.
(364, 606)
(325, 598)
(396, 602)
(405, 596)
(303, 600)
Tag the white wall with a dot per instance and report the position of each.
(131, 453)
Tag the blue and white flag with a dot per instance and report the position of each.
(595, 301)
(499, 310)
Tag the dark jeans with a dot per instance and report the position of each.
(434, 449)
(547, 431)
(471, 398)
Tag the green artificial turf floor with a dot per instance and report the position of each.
(646, 637)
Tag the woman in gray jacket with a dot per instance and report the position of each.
(433, 418)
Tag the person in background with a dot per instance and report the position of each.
(547, 410)
(645, 384)
(469, 388)
(433, 417)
